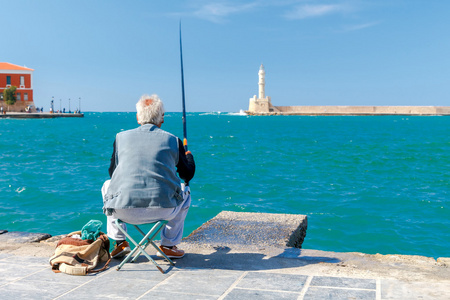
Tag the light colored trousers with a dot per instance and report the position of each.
(171, 234)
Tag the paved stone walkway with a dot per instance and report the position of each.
(31, 278)
(25, 277)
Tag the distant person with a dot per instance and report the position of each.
(144, 186)
(64, 110)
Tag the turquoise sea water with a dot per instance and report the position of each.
(368, 184)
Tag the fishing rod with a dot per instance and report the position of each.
(183, 98)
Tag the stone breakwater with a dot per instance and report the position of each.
(351, 110)
(270, 234)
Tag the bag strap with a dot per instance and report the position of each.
(101, 269)
(106, 242)
(105, 245)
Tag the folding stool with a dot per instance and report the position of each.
(147, 240)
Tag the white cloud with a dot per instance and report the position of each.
(221, 11)
(217, 12)
(311, 11)
(360, 26)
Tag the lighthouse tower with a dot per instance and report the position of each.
(262, 103)
(261, 82)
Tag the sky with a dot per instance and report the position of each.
(103, 55)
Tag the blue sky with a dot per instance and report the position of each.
(315, 52)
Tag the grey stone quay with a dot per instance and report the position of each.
(232, 256)
(42, 115)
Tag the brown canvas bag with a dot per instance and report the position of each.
(80, 257)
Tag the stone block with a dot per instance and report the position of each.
(23, 237)
(263, 230)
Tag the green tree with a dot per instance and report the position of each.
(9, 96)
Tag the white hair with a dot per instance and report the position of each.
(150, 109)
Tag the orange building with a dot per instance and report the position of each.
(22, 78)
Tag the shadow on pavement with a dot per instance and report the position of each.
(223, 259)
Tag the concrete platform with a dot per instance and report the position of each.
(214, 270)
(257, 230)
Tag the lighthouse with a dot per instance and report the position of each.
(261, 82)
(260, 104)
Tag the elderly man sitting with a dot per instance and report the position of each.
(144, 185)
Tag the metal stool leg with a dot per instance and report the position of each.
(150, 241)
(140, 247)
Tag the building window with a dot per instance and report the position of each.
(22, 80)
(18, 97)
(25, 96)
(8, 79)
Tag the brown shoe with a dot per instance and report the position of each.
(171, 252)
(121, 250)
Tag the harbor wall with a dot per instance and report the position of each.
(35, 115)
(354, 110)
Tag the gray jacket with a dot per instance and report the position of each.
(145, 174)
